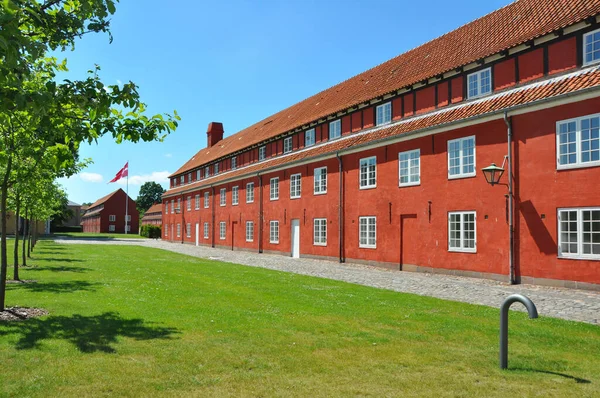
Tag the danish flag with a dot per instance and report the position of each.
(124, 172)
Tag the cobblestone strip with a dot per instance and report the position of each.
(571, 304)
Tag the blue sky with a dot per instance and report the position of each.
(238, 62)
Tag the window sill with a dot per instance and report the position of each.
(367, 246)
(295, 197)
(250, 201)
(369, 187)
(595, 163)
(409, 184)
(597, 61)
(579, 257)
(480, 95)
(274, 243)
(470, 251)
(320, 193)
(320, 244)
(459, 176)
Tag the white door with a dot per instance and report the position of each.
(296, 238)
(197, 234)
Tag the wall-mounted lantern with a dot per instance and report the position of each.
(492, 174)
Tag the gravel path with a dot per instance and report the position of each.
(571, 304)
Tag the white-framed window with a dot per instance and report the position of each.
(287, 145)
(383, 113)
(320, 181)
(309, 137)
(206, 199)
(182, 178)
(128, 218)
(189, 177)
(112, 218)
(111, 227)
(250, 192)
(591, 47)
(262, 153)
(320, 232)
(234, 162)
(409, 168)
(216, 167)
(578, 142)
(178, 204)
(198, 175)
(579, 233)
(206, 230)
(222, 230)
(274, 188)
(249, 231)
(189, 203)
(335, 129)
(188, 230)
(166, 230)
(461, 157)
(206, 172)
(479, 83)
(197, 204)
(235, 196)
(367, 232)
(178, 230)
(368, 172)
(223, 197)
(274, 232)
(172, 206)
(462, 231)
(295, 186)
(128, 228)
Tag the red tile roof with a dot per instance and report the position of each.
(510, 26)
(547, 88)
(100, 201)
(155, 208)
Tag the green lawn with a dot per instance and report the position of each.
(97, 235)
(134, 321)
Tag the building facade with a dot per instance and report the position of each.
(107, 214)
(385, 168)
(153, 215)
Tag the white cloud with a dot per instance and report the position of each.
(168, 155)
(120, 83)
(91, 177)
(160, 177)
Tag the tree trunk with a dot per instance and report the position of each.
(3, 213)
(29, 238)
(16, 248)
(25, 229)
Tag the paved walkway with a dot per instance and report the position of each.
(571, 304)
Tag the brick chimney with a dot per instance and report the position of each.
(214, 133)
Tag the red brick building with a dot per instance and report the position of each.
(107, 214)
(153, 215)
(385, 168)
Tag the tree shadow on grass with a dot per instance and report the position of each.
(62, 260)
(56, 287)
(88, 333)
(578, 380)
(63, 268)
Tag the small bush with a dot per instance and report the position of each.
(151, 231)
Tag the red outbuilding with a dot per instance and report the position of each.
(153, 216)
(385, 168)
(107, 214)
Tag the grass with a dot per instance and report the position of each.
(90, 235)
(134, 321)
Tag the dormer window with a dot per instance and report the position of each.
(335, 129)
(287, 145)
(198, 175)
(480, 83)
(216, 168)
(309, 137)
(591, 47)
(384, 113)
(182, 179)
(262, 153)
(206, 172)
(234, 162)
(189, 177)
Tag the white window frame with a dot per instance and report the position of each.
(461, 158)
(320, 176)
(250, 192)
(189, 177)
(319, 238)
(580, 231)
(235, 195)
(249, 231)
(578, 143)
(383, 114)
(409, 167)
(223, 197)
(234, 163)
(206, 230)
(295, 186)
(462, 248)
(206, 171)
(128, 218)
(338, 128)
(262, 153)
(222, 230)
(216, 168)
(182, 178)
(367, 163)
(309, 142)
(274, 188)
(584, 52)
(206, 199)
(111, 228)
(172, 206)
(179, 204)
(112, 218)
(188, 230)
(367, 244)
(274, 232)
(178, 230)
(198, 175)
(197, 202)
(478, 76)
(288, 144)
(189, 203)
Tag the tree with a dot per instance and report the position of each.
(42, 121)
(150, 193)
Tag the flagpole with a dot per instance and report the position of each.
(127, 199)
